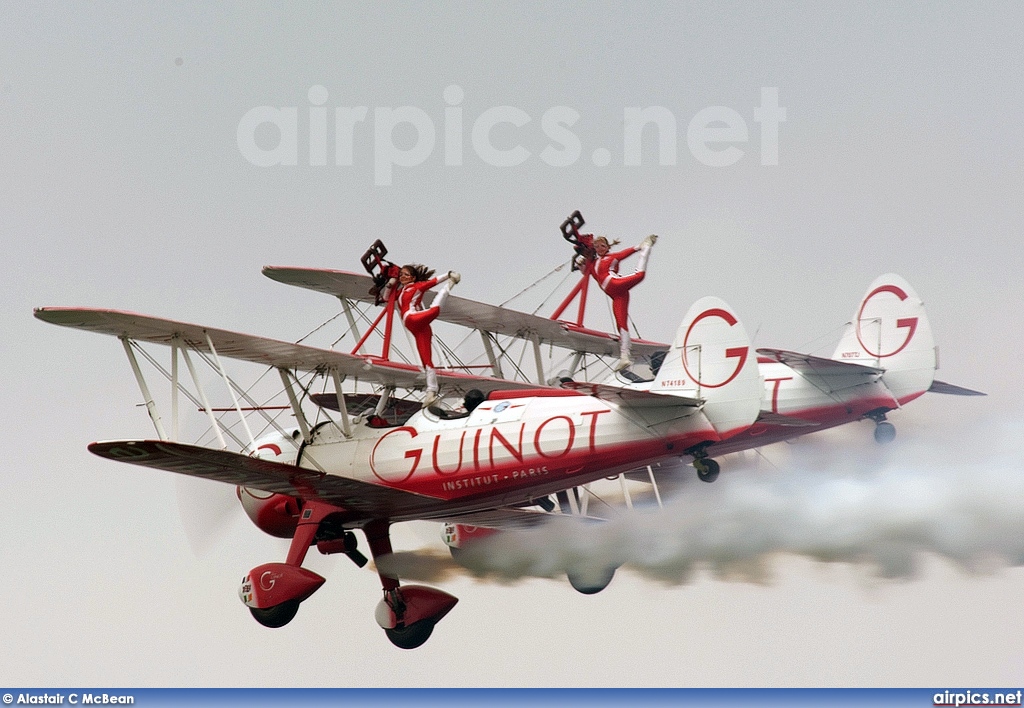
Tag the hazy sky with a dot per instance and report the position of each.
(125, 183)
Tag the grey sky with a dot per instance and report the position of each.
(122, 185)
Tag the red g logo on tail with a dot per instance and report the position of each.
(908, 323)
(731, 353)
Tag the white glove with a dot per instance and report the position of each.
(454, 277)
(650, 240)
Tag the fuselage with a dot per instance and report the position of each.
(516, 447)
(507, 449)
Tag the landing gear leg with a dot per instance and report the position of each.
(273, 591)
(707, 469)
(406, 614)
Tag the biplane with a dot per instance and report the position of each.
(509, 445)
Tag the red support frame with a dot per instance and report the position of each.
(583, 244)
(389, 313)
(381, 270)
(580, 289)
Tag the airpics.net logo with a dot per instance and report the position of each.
(716, 136)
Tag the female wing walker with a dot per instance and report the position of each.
(413, 281)
(617, 287)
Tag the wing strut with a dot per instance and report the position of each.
(489, 348)
(294, 402)
(175, 428)
(625, 492)
(204, 399)
(346, 426)
(231, 389)
(577, 359)
(382, 402)
(154, 414)
(353, 327)
(538, 359)
(654, 484)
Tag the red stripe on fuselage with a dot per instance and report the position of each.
(762, 434)
(543, 472)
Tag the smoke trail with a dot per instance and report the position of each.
(427, 565)
(919, 499)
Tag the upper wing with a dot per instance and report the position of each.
(259, 350)
(468, 313)
(828, 374)
(340, 283)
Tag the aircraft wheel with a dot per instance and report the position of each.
(412, 636)
(276, 616)
(591, 583)
(707, 469)
(885, 432)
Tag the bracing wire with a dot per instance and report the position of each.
(534, 284)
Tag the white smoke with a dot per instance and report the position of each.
(961, 500)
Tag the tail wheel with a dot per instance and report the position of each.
(276, 616)
(591, 583)
(707, 469)
(885, 432)
(412, 636)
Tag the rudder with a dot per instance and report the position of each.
(711, 358)
(890, 330)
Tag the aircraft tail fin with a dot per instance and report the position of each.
(890, 331)
(711, 359)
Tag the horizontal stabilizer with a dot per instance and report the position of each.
(805, 363)
(943, 387)
(828, 375)
(632, 398)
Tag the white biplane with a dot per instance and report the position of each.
(365, 460)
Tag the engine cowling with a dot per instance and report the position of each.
(275, 514)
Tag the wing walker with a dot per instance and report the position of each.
(514, 426)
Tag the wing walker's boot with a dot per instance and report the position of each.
(645, 252)
(431, 396)
(451, 280)
(624, 361)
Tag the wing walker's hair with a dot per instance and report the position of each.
(419, 271)
(614, 242)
